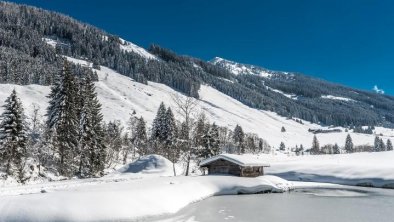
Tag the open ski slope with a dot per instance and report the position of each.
(120, 96)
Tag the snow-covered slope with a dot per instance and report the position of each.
(131, 47)
(237, 68)
(337, 98)
(120, 96)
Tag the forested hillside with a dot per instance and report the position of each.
(32, 42)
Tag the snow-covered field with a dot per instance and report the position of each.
(364, 169)
(120, 96)
(131, 193)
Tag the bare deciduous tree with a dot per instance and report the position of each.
(186, 107)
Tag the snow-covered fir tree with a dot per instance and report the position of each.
(13, 138)
(377, 144)
(382, 145)
(92, 150)
(140, 137)
(282, 146)
(302, 149)
(283, 129)
(238, 138)
(170, 130)
(389, 145)
(113, 140)
(349, 147)
(171, 151)
(315, 146)
(63, 122)
(158, 134)
(336, 149)
(210, 143)
(200, 131)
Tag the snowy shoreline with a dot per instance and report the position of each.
(129, 199)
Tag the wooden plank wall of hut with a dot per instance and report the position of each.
(224, 167)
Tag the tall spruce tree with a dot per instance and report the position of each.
(13, 138)
(63, 121)
(170, 130)
(140, 138)
(349, 147)
(158, 135)
(92, 150)
(214, 139)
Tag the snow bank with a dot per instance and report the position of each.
(362, 169)
(127, 200)
(150, 164)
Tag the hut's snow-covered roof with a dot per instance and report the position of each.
(242, 160)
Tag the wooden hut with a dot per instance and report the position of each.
(238, 165)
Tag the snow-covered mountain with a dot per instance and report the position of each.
(36, 56)
(120, 96)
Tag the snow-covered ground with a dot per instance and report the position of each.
(146, 188)
(120, 96)
(124, 195)
(364, 169)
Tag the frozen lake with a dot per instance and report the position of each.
(308, 205)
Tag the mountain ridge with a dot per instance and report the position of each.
(28, 57)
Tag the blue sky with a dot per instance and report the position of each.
(345, 41)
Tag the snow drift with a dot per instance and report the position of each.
(150, 164)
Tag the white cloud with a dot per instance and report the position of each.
(377, 90)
